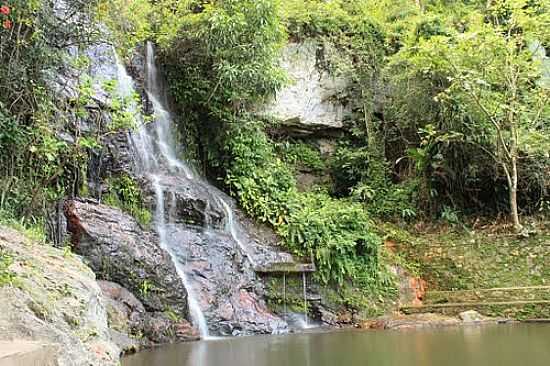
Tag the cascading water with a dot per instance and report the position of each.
(232, 228)
(215, 256)
(153, 167)
(194, 308)
(140, 137)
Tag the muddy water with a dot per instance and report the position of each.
(498, 345)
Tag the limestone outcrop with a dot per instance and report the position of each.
(52, 298)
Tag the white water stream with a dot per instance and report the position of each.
(157, 156)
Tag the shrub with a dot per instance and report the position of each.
(124, 193)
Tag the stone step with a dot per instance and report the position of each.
(530, 293)
(23, 353)
(516, 309)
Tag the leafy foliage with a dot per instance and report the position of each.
(335, 233)
(32, 160)
(226, 53)
(127, 20)
(6, 275)
(125, 193)
(300, 154)
(483, 94)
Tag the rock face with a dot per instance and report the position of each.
(200, 225)
(189, 203)
(115, 155)
(412, 290)
(228, 290)
(133, 328)
(27, 353)
(119, 250)
(54, 299)
(312, 101)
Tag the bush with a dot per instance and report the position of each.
(36, 166)
(6, 275)
(334, 233)
(124, 193)
(301, 155)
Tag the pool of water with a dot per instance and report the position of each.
(498, 345)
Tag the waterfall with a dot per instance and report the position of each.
(232, 228)
(140, 137)
(216, 284)
(157, 155)
(284, 295)
(194, 308)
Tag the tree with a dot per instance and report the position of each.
(494, 74)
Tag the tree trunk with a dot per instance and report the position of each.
(513, 196)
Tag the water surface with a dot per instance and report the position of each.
(498, 345)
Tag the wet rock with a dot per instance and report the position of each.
(119, 250)
(471, 316)
(123, 308)
(56, 301)
(136, 68)
(119, 294)
(127, 344)
(133, 328)
(160, 328)
(228, 290)
(326, 316)
(188, 202)
(114, 153)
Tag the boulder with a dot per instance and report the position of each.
(471, 316)
(53, 299)
(119, 250)
(133, 328)
(163, 328)
(123, 308)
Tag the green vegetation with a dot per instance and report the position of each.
(39, 164)
(462, 132)
(6, 275)
(450, 117)
(301, 155)
(125, 193)
(32, 227)
(458, 260)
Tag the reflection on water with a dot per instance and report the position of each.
(499, 345)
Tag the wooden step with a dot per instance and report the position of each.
(462, 304)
